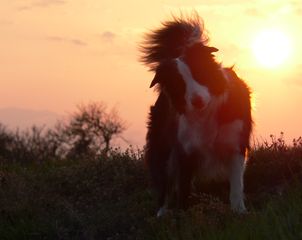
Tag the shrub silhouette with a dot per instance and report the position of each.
(91, 129)
(6, 139)
(87, 133)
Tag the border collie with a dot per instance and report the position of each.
(201, 121)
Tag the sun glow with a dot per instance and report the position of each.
(272, 47)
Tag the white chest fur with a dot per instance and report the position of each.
(200, 132)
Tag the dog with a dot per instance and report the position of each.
(201, 121)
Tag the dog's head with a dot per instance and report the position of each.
(205, 70)
(177, 83)
(191, 80)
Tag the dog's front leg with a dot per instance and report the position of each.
(236, 183)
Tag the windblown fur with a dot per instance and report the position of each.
(171, 39)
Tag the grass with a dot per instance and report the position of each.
(279, 218)
(111, 199)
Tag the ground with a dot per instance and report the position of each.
(111, 198)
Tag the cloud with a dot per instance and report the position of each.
(5, 22)
(47, 3)
(297, 5)
(299, 11)
(77, 42)
(41, 4)
(108, 36)
(73, 41)
(274, 8)
(55, 38)
(254, 12)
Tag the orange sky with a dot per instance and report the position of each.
(55, 54)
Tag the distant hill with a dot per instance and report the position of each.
(23, 118)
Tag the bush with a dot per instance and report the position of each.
(111, 199)
(272, 164)
(75, 199)
(6, 139)
(91, 128)
(86, 134)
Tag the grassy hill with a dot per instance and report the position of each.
(110, 198)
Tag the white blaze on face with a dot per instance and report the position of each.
(196, 95)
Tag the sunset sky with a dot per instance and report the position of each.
(55, 54)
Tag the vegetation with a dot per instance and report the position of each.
(87, 133)
(107, 196)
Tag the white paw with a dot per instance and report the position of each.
(161, 212)
(238, 207)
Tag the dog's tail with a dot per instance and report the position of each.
(171, 39)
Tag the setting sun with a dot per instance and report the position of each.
(271, 47)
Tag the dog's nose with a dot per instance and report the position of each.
(197, 102)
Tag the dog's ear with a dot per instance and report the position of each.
(159, 73)
(165, 70)
(197, 50)
(155, 80)
(211, 49)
